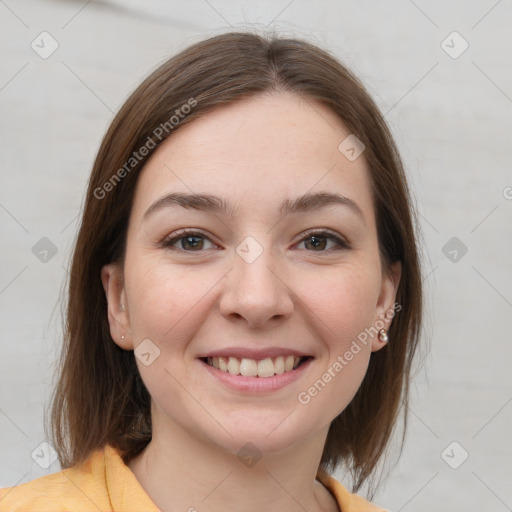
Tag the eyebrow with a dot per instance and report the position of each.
(206, 202)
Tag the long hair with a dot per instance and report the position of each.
(99, 397)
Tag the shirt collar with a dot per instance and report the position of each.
(126, 493)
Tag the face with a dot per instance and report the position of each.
(262, 280)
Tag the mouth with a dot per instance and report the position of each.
(263, 368)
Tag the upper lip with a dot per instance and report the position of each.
(249, 353)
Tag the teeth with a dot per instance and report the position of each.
(234, 366)
(223, 363)
(248, 368)
(279, 365)
(267, 367)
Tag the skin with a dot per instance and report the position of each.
(188, 301)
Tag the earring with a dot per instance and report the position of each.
(122, 307)
(383, 335)
(122, 336)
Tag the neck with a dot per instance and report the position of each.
(181, 471)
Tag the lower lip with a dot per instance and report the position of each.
(257, 384)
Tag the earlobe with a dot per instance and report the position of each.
(386, 306)
(118, 318)
(380, 340)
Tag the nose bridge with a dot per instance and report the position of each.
(255, 289)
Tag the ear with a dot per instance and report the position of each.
(118, 315)
(386, 305)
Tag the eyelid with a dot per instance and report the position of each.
(327, 233)
(181, 233)
(341, 241)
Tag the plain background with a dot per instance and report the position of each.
(451, 115)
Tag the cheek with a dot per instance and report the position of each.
(342, 306)
(164, 298)
(342, 301)
(166, 304)
(341, 371)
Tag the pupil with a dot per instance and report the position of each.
(316, 241)
(193, 244)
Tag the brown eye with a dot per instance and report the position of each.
(187, 241)
(193, 242)
(318, 241)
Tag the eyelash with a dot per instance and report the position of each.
(341, 243)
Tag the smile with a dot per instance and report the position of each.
(246, 367)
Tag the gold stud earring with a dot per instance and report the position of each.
(383, 335)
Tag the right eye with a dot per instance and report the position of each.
(188, 239)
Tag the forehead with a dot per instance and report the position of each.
(257, 150)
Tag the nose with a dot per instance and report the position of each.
(256, 291)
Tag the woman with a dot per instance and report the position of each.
(245, 293)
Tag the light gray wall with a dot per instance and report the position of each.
(452, 121)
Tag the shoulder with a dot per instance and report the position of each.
(347, 502)
(76, 489)
(103, 482)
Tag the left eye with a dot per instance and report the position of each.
(319, 240)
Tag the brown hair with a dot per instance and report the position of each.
(100, 397)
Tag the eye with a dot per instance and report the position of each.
(189, 241)
(318, 240)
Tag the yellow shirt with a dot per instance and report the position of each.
(105, 483)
